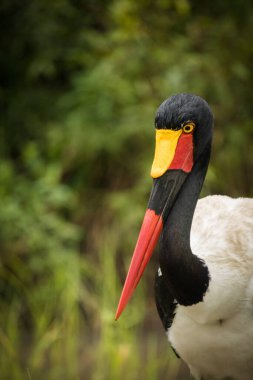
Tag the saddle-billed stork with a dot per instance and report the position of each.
(204, 285)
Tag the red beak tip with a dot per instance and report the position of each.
(118, 313)
(148, 237)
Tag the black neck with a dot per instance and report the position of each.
(185, 274)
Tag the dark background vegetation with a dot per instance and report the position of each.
(80, 82)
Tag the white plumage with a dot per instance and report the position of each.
(215, 337)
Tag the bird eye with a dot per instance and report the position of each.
(188, 127)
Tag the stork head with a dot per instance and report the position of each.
(183, 130)
(184, 116)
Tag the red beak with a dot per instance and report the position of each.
(163, 195)
(149, 234)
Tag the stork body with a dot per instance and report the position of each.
(215, 337)
(204, 286)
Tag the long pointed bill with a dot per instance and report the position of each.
(169, 170)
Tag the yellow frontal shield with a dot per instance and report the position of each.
(166, 143)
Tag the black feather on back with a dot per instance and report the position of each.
(165, 302)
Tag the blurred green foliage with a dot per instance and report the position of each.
(80, 81)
